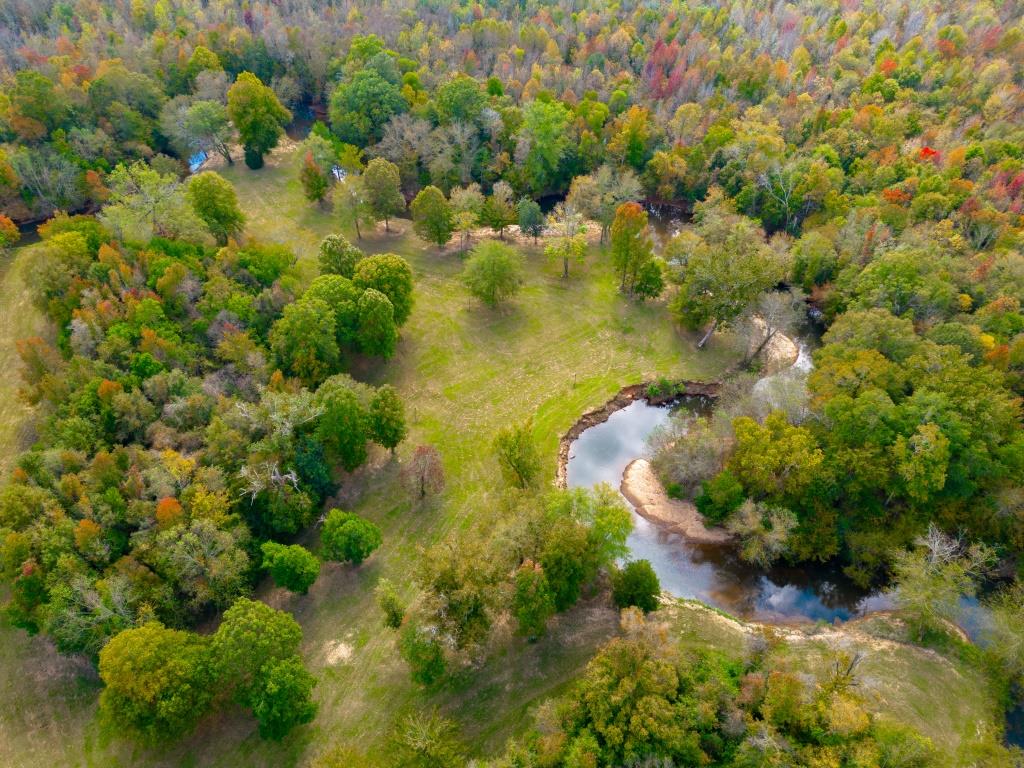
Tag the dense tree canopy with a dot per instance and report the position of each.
(194, 413)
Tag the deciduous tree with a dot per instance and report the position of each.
(493, 273)
(391, 275)
(158, 681)
(338, 256)
(144, 203)
(360, 107)
(343, 426)
(499, 209)
(532, 603)
(632, 249)
(932, 579)
(570, 244)
(283, 698)
(390, 603)
(424, 473)
(531, 219)
(291, 566)
(432, 216)
(352, 205)
(258, 116)
(517, 454)
(636, 584)
(377, 332)
(725, 271)
(346, 537)
(214, 200)
(303, 341)
(251, 636)
(387, 418)
(381, 190)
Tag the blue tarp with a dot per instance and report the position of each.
(196, 161)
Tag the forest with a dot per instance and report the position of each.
(310, 307)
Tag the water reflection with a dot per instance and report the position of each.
(711, 573)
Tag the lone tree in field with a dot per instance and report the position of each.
(351, 204)
(214, 201)
(499, 210)
(314, 183)
(631, 246)
(493, 273)
(424, 474)
(569, 243)
(382, 190)
(432, 216)
(390, 603)
(517, 454)
(347, 537)
(531, 219)
(258, 115)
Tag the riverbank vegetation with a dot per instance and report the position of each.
(265, 372)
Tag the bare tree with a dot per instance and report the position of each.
(424, 474)
(932, 579)
(772, 313)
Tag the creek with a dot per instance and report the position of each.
(710, 572)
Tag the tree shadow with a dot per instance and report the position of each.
(500, 322)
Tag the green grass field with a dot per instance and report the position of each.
(559, 349)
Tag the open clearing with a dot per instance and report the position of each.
(559, 349)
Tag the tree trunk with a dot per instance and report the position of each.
(707, 336)
(359, 235)
(565, 267)
(386, 227)
(764, 343)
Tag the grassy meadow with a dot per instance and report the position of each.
(560, 348)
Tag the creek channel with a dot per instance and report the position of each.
(711, 572)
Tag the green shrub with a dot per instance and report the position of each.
(636, 584)
(720, 497)
(347, 537)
